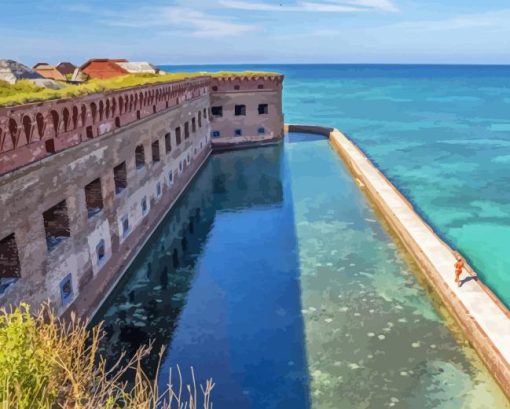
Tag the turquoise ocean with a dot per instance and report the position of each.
(440, 133)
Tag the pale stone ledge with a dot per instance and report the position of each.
(484, 319)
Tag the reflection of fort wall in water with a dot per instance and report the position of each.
(146, 303)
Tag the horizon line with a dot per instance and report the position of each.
(339, 63)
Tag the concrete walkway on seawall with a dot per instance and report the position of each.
(482, 316)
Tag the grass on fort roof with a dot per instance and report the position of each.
(25, 91)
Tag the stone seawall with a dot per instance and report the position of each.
(482, 316)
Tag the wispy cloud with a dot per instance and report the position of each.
(490, 20)
(196, 23)
(324, 6)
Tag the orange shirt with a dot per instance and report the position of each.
(459, 265)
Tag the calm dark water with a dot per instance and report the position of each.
(272, 276)
(440, 133)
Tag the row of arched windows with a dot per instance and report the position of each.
(72, 117)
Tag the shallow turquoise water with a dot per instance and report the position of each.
(440, 133)
(273, 276)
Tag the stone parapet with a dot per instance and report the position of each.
(249, 83)
(34, 131)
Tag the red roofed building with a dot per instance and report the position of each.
(103, 68)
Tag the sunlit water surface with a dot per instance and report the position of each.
(273, 276)
(440, 133)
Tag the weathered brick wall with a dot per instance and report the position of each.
(34, 131)
(25, 194)
(253, 93)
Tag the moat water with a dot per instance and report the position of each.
(440, 133)
(273, 276)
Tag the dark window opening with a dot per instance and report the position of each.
(56, 225)
(215, 88)
(125, 226)
(138, 114)
(155, 151)
(117, 122)
(240, 110)
(217, 111)
(50, 146)
(158, 189)
(168, 143)
(237, 87)
(170, 178)
(100, 251)
(215, 134)
(186, 130)
(10, 269)
(139, 157)
(199, 119)
(238, 132)
(178, 135)
(154, 109)
(120, 177)
(263, 109)
(260, 86)
(205, 113)
(261, 131)
(90, 132)
(94, 197)
(144, 205)
(193, 125)
(66, 289)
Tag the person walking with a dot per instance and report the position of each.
(459, 266)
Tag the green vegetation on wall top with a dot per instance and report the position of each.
(25, 91)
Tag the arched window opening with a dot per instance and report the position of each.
(65, 115)
(101, 110)
(93, 110)
(13, 130)
(27, 127)
(55, 120)
(83, 115)
(75, 117)
(41, 124)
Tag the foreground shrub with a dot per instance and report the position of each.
(46, 362)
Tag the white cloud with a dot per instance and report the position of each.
(324, 6)
(196, 23)
(383, 5)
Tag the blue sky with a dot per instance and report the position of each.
(257, 31)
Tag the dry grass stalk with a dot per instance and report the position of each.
(48, 363)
